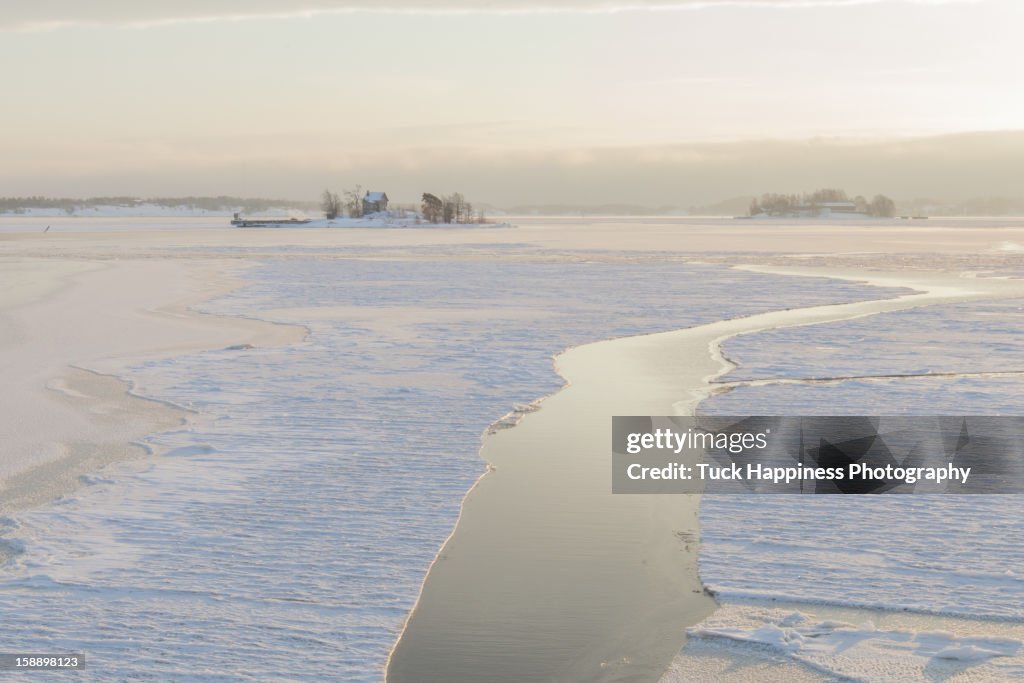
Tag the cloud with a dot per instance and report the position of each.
(53, 14)
(957, 167)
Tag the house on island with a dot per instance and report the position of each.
(829, 208)
(374, 202)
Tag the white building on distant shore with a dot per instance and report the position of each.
(828, 208)
(375, 202)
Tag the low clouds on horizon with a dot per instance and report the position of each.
(44, 14)
(952, 167)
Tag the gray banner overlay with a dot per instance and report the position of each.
(40, 662)
(833, 454)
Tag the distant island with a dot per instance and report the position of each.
(351, 207)
(815, 204)
(824, 203)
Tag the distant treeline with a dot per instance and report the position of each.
(220, 203)
(976, 206)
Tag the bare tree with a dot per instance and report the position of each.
(354, 201)
(451, 209)
(454, 208)
(330, 204)
(448, 210)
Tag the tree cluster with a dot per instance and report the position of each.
(774, 204)
(451, 209)
(882, 206)
(349, 202)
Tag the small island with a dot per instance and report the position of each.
(824, 203)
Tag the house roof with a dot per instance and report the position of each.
(376, 196)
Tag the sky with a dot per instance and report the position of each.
(654, 102)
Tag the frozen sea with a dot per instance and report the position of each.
(931, 555)
(285, 534)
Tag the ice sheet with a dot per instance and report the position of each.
(286, 533)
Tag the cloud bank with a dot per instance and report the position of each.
(950, 167)
(52, 14)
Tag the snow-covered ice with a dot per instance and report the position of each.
(287, 531)
(864, 651)
(975, 337)
(927, 554)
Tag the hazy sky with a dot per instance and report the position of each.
(651, 102)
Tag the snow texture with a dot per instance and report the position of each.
(930, 554)
(287, 531)
(863, 652)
